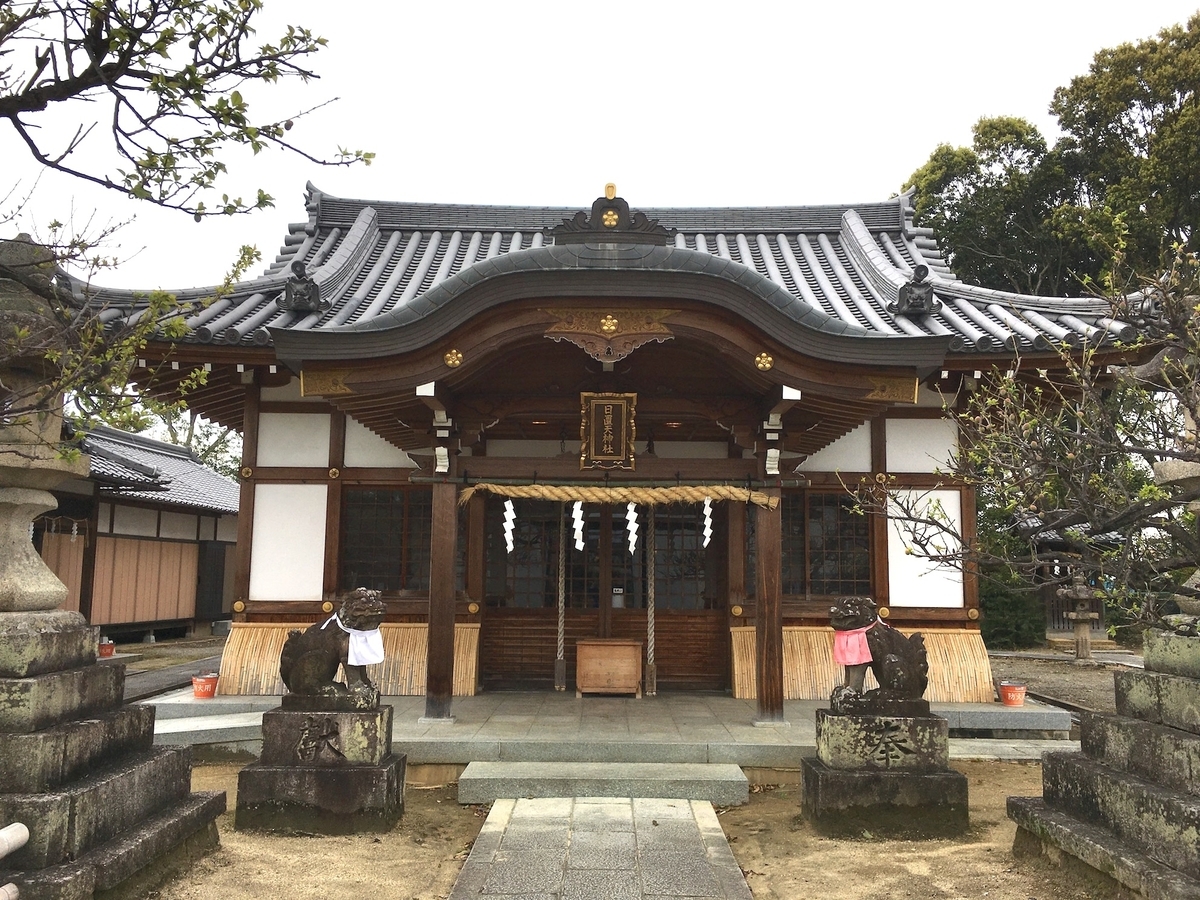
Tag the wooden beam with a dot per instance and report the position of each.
(878, 522)
(439, 679)
(768, 620)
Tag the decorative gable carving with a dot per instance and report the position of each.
(612, 221)
(607, 336)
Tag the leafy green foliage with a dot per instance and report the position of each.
(1016, 214)
(1014, 616)
(167, 77)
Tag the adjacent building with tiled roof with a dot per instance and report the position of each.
(143, 542)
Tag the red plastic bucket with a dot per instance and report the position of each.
(204, 687)
(106, 648)
(1012, 693)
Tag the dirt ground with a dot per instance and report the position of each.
(783, 858)
(169, 653)
(1088, 686)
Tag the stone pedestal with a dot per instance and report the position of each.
(325, 771)
(1128, 805)
(886, 775)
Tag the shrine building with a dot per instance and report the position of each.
(537, 428)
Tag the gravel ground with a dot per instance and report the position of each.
(1089, 686)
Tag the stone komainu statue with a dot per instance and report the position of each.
(900, 664)
(349, 638)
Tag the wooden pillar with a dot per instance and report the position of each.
(333, 504)
(605, 556)
(245, 532)
(476, 576)
(439, 678)
(735, 562)
(877, 521)
(769, 612)
(91, 537)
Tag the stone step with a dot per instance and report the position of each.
(1153, 820)
(1171, 700)
(65, 824)
(1167, 756)
(1097, 848)
(32, 763)
(155, 849)
(722, 784)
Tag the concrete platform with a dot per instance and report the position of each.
(558, 727)
(590, 848)
(721, 783)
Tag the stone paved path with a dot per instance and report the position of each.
(601, 848)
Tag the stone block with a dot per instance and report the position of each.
(1170, 653)
(321, 799)
(137, 861)
(882, 742)
(292, 738)
(67, 823)
(724, 784)
(41, 760)
(1041, 829)
(34, 643)
(1164, 755)
(31, 704)
(1148, 817)
(1170, 700)
(901, 804)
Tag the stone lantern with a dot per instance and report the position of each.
(30, 459)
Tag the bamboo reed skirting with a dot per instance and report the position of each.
(643, 496)
(250, 663)
(959, 669)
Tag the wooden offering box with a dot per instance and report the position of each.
(608, 666)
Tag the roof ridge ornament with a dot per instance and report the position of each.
(916, 296)
(302, 293)
(613, 222)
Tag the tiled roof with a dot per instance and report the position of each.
(833, 269)
(132, 466)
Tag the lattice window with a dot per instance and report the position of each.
(839, 546)
(680, 560)
(529, 575)
(386, 539)
(825, 546)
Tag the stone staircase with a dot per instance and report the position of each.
(1128, 805)
(105, 808)
(723, 784)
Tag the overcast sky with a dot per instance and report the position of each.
(680, 104)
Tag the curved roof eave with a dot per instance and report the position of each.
(632, 270)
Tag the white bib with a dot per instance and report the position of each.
(366, 647)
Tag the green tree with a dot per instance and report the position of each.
(153, 92)
(1014, 213)
(1004, 209)
(1132, 127)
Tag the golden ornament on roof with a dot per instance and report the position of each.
(610, 191)
(764, 362)
(610, 218)
(608, 324)
(453, 359)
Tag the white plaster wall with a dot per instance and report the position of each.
(135, 520)
(287, 557)
(849, 453)
(289, 391)
(227, 529)
(208, 528)
(365, 448)
(691, 449)
(293, 439)
(102, 517)
(920, 445)
(913, 580)
(530, 448)
(181, 526)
